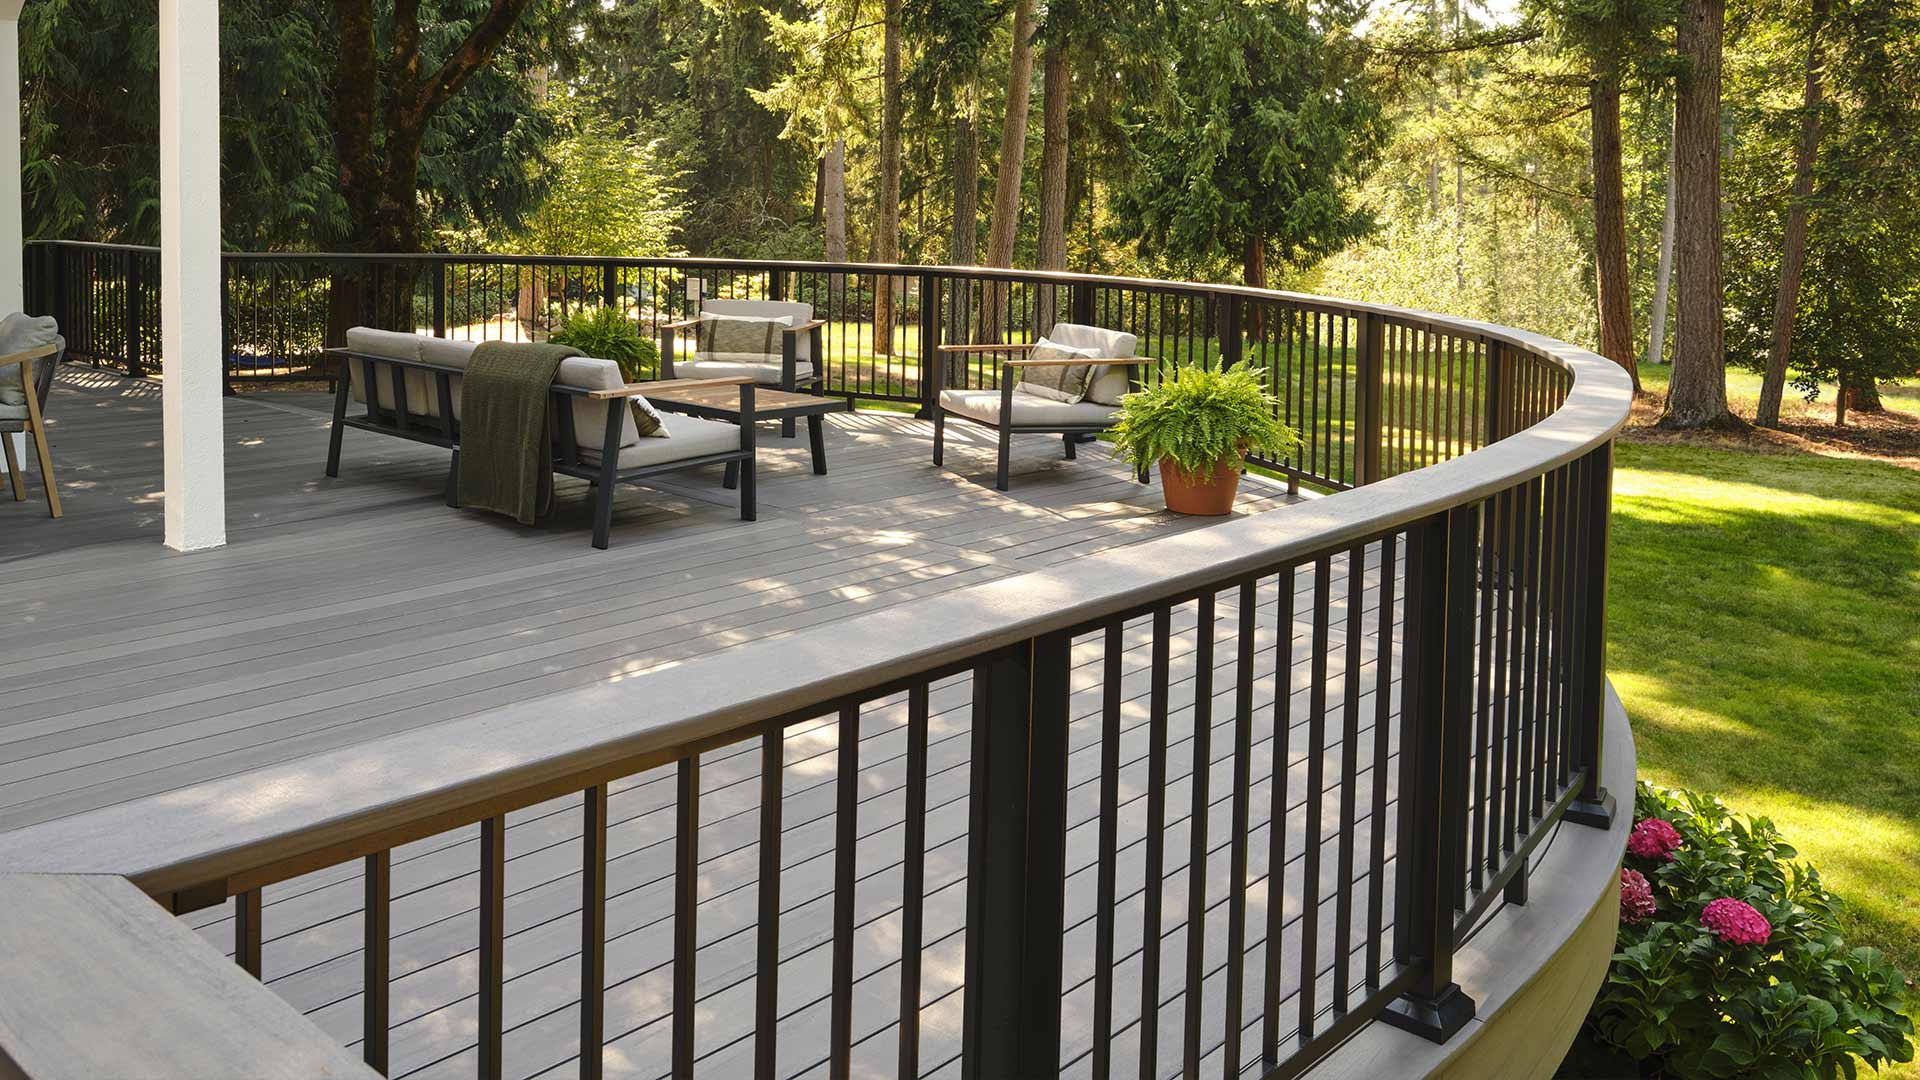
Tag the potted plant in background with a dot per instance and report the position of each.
(1198, 425)
(608, 334)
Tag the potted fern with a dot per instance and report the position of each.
(608, 334)
(1198, 425)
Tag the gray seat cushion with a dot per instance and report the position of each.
(1028, 410)
(13, 412)
(764, 374)
(692, 437)
(18, 333)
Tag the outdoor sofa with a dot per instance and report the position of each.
(416, 385)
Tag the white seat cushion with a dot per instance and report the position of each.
(764, 374)
(18, 333)
(691, 437)
(1028, 410)
(13, 412)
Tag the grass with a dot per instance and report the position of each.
(1744, 385)
(1764, 634)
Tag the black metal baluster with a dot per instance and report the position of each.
(1382, 739)
(766, 989)
(377, 923)
(493, 918)
(1197, 830)
(686, 910)
(913, 882)
(1111, 690)
(1237, 861)
(1277, 819)
(1155, 844)
(593, 930)
(1316, 792)
(846, 836)
(1349, 776)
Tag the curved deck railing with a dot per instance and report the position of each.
(1397, 691)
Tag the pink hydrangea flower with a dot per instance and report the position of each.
(1654, 838)
(1636, 897)
(1736, 922)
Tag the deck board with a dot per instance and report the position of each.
(345, 610)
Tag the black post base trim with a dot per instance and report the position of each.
(1596, 812)
(1436, 1019)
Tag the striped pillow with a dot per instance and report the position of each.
(1067, 383)
(647, 420)
(739, 337)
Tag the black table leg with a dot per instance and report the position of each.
(816, 434)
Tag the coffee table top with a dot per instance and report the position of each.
(767, 401)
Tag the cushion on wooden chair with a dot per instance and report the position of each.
(1108, 382)
(18, 333)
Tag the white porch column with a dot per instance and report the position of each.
(190, 284)
(13, 296)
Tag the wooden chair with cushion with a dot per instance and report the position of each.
(775, 343)
(1094, 363)
(26, 381)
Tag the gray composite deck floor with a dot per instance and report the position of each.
(345, 610)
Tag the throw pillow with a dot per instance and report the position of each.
(18, 333)
(739, 337)
(647, 420)
(1065, 382)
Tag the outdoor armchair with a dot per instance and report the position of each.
(792, 364)
(27, 376)
(1009, 410)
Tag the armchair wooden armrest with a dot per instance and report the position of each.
(683, 324)
(1018, 346)
(641, 389)
(806, 326)
(28, 356)
(1079, 361)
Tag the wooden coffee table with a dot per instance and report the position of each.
(723, 403)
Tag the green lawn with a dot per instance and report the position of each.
(1764, 634)
(1745, 385)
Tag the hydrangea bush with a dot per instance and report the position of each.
(1729, 961)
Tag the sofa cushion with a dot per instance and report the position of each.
(587, 372)
(795, 312)
(421, 396)
(692, 437)
(764, 374)
(1109, 383)
(18, 333)
(1028, 410)
(1067, 384)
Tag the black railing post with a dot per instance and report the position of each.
(1228, 324)
(1499, 376)
(1436, 714)
(135, 366)
(931, 373)
(1082, 302)
(1016, 863)
(1370, 391)
(439, 280)
(1594, 805)
(57, 270)
(776, 284)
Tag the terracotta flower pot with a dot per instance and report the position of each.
(1204, 494)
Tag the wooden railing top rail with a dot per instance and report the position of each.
(243, 831)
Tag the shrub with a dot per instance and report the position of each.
(607, 333)
(1729, 961)
(1197, 416)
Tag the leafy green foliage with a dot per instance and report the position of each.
(1680, 1002)
(608, 333)
(1196, 416)
(1269, 120)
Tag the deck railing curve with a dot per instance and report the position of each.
(1204, 804)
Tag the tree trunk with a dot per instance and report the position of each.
(1053, 175)
(835, 201)
(1793, 249)
(1856, 397)
(1610, 223)
(1663, 276)
(886, 245)
(965, 250)
(1253, 275)
(1697, 390)
(1013, 152)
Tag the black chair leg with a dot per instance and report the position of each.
(1006, 452)
(786, 428)
(1071, 442)
(939, 436)
(339, 428)
(731, 478)
(603, 508)
(453, 480)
